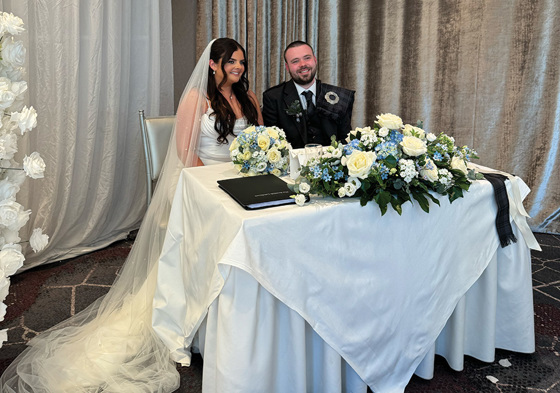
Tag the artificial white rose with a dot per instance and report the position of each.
(8, 189)
(383, 132)
(15, 176)
(4, 288)
(26, 119)
(11, 259)
(10, 236)
(431, 137)
(459, 163)
(392, 122)
(13, 53)
(300, 199)
(263, 141)
(304, 188)
(14, 74)
(19, 89)
(12, 215)
(247, 155)
(5, 84)
(341, 192)
(38, 240)
(34, 166)
(350, 189)
(3, 333)
(429, 172)
(9, 23)
(273, 155)
(7, 98)
(413, 146)
(8, 146)
(359, 163)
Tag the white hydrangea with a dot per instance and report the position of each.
(407, 170)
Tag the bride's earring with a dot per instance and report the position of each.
(214, 72)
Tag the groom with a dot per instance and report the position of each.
(307, 110)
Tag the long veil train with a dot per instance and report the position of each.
(111, 346)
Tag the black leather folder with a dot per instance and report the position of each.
(258, 192)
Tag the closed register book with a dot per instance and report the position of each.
(258, 192)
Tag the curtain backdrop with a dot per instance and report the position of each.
(485, 71)
(91, 65)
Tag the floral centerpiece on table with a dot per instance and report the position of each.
(390, 163)
(15, 120)
(260, 150)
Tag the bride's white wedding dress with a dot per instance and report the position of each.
(210, 151)
(111, 346)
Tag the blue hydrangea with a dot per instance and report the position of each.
(354, 144)
(395, 137)
(385, 149)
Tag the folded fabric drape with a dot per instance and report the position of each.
(503, 226)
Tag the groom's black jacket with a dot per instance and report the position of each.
(331, 118)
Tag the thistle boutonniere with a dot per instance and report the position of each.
(295, 109)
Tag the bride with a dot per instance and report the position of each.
(111, 346)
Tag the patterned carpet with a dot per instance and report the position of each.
(46, 295)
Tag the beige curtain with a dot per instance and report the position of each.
(91, 65)
(485, 71)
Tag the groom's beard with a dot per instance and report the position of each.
(304, 79)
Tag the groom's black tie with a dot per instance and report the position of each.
(309, 98)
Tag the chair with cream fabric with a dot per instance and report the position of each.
(156, 132)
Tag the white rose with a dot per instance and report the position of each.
(11, 259)
(359, 163)
(410, 130)
(272, 132)
(383, 132)
(8, 146)
(459, 163)
(276, 172)
(34, 166)
(12, 215)
(263, 141)
(4, 288)
(390, 121)
(19, 89)
(413, 146)
(10, 236)
(273, 155)
(38, 240)
(8, 189)
(431, 137)
(429, 172)
(7, 98)
(15, 176)
(234, 145)
(5, 84)
(300, 199)
(341, 192)
(26, 119)
(13, 53)
(349, 189)
(14, 74)
(9, 23)
(304, 188)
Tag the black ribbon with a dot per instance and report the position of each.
(503, 226)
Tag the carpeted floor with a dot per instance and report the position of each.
(42, 297)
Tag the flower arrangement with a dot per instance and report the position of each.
(15, 120)
(390, 163)
(260, 150)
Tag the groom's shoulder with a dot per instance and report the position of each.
(325, 87)
(276, 90)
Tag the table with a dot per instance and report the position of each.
(332, 296)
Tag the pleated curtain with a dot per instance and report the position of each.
(484, 71)
(91, 65)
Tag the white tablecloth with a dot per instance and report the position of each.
(292, 296)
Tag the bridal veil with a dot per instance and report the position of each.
(111, 346)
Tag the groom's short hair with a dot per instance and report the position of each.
(296, 44)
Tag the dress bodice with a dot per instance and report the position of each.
(210, 151)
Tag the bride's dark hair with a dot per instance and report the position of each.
(223, 49)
